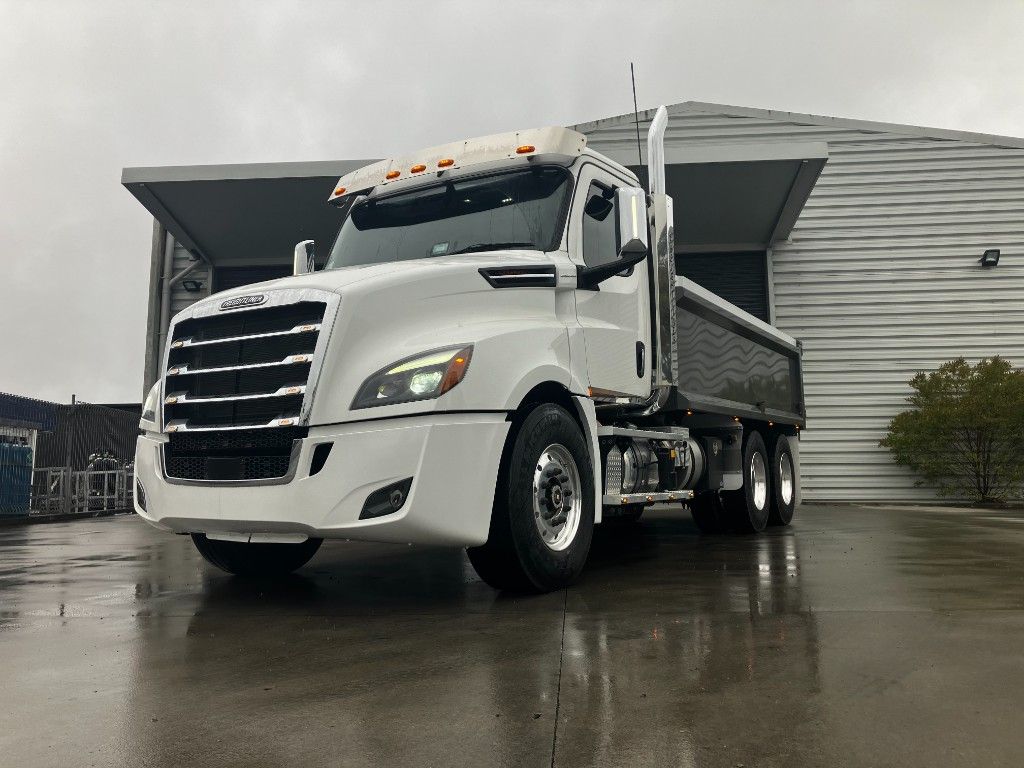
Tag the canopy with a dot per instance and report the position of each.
(727, 198)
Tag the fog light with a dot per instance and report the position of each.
(386, 500)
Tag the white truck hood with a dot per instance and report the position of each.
(336, 280)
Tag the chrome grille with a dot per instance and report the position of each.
(231, 375)
(247, 368)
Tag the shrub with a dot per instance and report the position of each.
(965, 432)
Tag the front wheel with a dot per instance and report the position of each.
(242, 559)
(543, 516)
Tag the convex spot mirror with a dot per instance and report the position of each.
(305, 258)
(631, 203)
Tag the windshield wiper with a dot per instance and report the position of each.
(491, 247)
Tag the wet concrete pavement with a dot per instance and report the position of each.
(857, 637)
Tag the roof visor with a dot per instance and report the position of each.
(460, 154)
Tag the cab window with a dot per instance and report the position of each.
(599, 223)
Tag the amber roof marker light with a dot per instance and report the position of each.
(525, 149)
(392, 175)
(446, 163)
(418, 168)
(339, 191)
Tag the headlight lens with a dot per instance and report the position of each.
(422, 377)
(149, 408)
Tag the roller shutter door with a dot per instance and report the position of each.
(740, 278)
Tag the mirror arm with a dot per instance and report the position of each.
(588, 278)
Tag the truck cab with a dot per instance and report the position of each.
(489, 359)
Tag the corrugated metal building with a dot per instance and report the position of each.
(878, 273)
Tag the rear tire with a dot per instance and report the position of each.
(542, 522)
(748, 507)
(255, 560)
(783, 484)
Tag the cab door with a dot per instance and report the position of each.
(615, 316)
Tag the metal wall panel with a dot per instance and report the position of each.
(880, 277)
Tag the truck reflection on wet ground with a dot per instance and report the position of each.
(855, 637)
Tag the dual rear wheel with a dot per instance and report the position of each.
(767, 497)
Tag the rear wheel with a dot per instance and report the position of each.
(244, 559)
(783, 484)
(543, 516)
(748, 507)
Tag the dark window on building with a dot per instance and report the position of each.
(226, 278)
(599, 223)
(741, 278)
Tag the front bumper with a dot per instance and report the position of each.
(452, 458)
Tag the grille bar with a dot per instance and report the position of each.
(181, 370)
(183, 426)
(175, 399)
(190, 342)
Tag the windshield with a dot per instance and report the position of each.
(515, 209)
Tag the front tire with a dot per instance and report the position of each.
(748, 507)
(542, 522)
(254, 560)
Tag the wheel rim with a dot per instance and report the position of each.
(758, 480)
(785, 479)
(557, 501)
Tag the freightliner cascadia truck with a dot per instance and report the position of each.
(497, 354)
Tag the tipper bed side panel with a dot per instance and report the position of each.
(728, 365)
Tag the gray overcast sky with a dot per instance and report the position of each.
(90, 87)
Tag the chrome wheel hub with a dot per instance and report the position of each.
(786, 478)
(557, 501)
(758, 480)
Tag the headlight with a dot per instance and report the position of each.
(422, 377)
(149, 409)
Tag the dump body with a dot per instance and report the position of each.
(711, 356)
(731, 363)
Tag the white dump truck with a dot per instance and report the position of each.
(497, 354)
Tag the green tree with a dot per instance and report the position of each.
(965, 431)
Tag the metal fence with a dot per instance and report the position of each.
(65, 459)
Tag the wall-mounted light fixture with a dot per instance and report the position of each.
(989, 258)
(192, 286)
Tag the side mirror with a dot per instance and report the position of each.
(632, 234)
(632, 239)
(305, 253)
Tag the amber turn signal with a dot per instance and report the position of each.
(456, 369)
